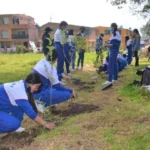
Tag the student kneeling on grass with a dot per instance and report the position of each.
(122, 62)
(52, 92)
(15, 100)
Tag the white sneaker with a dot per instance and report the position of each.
(69, 74)
(73, 70)
(107, 82)
(20, 129)
(62, 82)
(114, 81)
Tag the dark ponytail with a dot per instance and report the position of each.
(115, 27)
(32, 78)
(126, 39)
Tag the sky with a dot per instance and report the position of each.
(90, 13)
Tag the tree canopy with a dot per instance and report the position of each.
(141, 6)
(146, 31)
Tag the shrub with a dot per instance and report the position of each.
(21, 49)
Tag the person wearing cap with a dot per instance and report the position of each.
(81, 45)
(48, 41)
(114, 44)
(59, 41)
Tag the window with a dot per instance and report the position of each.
(87, 32)
(4, 34)
(4, 20)
(15, 20)
(20, 32)
(107, 32)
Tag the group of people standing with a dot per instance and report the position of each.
(114, 61)
(66, 45)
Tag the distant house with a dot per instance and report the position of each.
(91, 33)
(17, 29)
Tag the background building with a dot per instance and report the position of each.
(17, 29)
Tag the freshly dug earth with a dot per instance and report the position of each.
(12, 141)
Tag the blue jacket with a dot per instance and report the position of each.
(14, 95)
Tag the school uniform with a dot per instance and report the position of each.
(49, 77)
(99, 44)
(59, 38)
(13, 104)
(129, 48)
(122, 62)
(113, 53)
(67, 50)
(72, 50)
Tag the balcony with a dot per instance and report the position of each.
(20, 36)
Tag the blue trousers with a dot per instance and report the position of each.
(57, 96)
(113, 65)
(81, 59)
(10, 119)
(129, 56)
(73, 59)
(67, 62)
(67, 57)
(61, 58)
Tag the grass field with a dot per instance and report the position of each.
(115, 119)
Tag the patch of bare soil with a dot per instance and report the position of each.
(143, 120)
(12, 141)
(75, 109)
(83, 86)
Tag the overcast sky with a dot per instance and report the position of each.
(79, 12)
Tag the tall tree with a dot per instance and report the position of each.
(140, 6)
(146, 31)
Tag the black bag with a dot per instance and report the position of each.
(146, 76)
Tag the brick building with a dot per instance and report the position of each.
(91, 33)
(17, 29)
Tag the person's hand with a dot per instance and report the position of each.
(49, 126)
(70, 54)
(105, 45)
(67, 78)
(74, 95)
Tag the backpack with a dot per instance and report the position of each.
(146, 76)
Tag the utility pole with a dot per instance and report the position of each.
(51, 17)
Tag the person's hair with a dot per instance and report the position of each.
(82, 28)
(126, 38)
(32, 78)
(46, 31)
(136, 31)
(63, 23)
(115, 26)
(102, 34)
(107, 58)
(71, 32)
(54, 55)
(124, 55)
